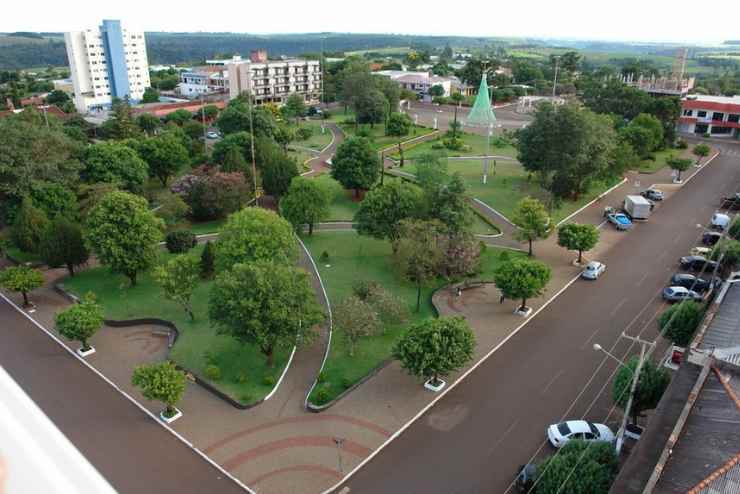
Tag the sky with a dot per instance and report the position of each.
(620, 20)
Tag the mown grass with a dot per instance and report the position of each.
(351, 258)
(244, 373)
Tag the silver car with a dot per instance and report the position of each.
(679, 293)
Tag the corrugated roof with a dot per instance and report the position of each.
(724, 330)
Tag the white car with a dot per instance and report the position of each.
(720, 221)
(560, 434)
(212, 135)
(593, 270)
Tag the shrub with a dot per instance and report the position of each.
(682, 144)
(268, 381)
(363, 288)
(304, 133)
(246, 398)
(734, 231)
(324, 257)
(212, 372)
(453, 144)
(706, 135)
(679, 322)
(29, 226)
(212, 194)
(242, 378)
(322, 377)
(180, 241)
(207, 261)
(321, 396)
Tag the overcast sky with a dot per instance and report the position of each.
(624, 20)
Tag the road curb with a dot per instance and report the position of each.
(129, 397)
(597, 198)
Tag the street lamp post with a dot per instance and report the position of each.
(555, 80)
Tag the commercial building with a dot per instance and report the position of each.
(106, 63)
(272, 81)
(692, 441)
(718, 116)
(202, 81)
(422, 82)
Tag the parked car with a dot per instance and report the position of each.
(731, 202)
(560, 434)
(711, 238)
(679, 293)
(720, 221)
(697, 263)
(691, 282)
(700, 251)
(525, 478)
(652, 194)
(620, 220)
(212, 135)
(593, 270)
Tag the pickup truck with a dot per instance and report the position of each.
(620, 220)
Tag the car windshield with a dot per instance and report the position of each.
(593, 429)
(563, 429)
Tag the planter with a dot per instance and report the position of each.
(30, 308)
(524, 313)
(169, 420)
(85, 353)
(677, 182)
(435, 387)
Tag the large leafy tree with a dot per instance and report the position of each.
(237, 115)
(22, 279)
(701, 151)
(418, 253)
(124, 233)
(33, 154)
(254, 234)
(55, 200)
(162, 382)
(116, 163)
(461, 255)
(573, 236)
(399, 125)
(355, 164)
(148, 123)
(178, 278)
(679, 322)
(295, 107)
(306, 203)
(532, 221)
(29, 226)
(121, 124)
(447, 203)
(164, 155)
(81, 321)
(277, 174)
(151, 95)
(266, 304)
(356, 319)
(522, 279)
(579, 467)
(651, 137)
(240, 141)
(650, 387)
(370, 107)
(383, 208)
(434, 348)
(567, 147)
(62, 244)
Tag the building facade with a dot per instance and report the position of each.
(202, 81)
(106, 63)
(718, 116)
(272, 81)
(422, 82)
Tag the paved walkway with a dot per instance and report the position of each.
(278, 447)
(319, 164)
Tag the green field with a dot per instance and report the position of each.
(509, 184)
(652, 166)
(245, 376)
(475, 145)
(318, 140)
(353, 258)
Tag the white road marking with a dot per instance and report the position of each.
(644, 277)
(618, 306)
(552, 381)
(503, 436)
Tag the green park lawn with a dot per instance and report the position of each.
(509, 185)
(353, 258)
(245, 375)
(205, 227)
(475, 145)
(652, 166)
(318, 140)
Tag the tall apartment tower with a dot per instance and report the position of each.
(106, 63)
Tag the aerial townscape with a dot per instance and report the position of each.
(328, 259)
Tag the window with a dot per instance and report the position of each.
(701, 114)
(721, 130)
(688, 113)
(733, 118)
(563, 429)
(718, 116)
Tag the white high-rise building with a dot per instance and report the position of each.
(106, 63)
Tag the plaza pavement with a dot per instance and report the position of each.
(278, 446)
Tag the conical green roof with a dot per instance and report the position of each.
(481, 115)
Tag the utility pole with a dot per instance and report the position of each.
(635, 378)
(555, 81)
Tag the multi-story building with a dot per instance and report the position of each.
(718, 116)
(202, 81)
(272, 81)
(105, 63)
(422, 82)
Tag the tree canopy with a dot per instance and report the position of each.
(532, 221)
(383, 208)
(306, 203)
(573, 236)
(522, 279)
(650, 387)
(116, 163)
(355, 164)
(80, 321)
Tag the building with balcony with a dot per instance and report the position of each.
(272, 81)
(203, 81)
(421, 82)
(718, 116)
(106, 63)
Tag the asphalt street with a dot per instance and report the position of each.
(475, 438)
(128, 448)
(506, 117)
